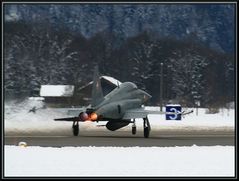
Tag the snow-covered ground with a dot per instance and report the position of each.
(195, 161)
(19, 121)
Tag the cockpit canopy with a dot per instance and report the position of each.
(128, 86)
(122, 91)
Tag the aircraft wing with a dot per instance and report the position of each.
(143, 113)
(75, 111)
(140, 113)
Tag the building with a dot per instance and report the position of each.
(72, 96)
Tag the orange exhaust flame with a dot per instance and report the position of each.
(93, 116)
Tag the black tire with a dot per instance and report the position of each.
(75, 130)
(134, 130)
(146, 132)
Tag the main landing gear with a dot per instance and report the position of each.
(147, 127)
(134, 127)
(75, 128)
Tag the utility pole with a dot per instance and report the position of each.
(161, 87)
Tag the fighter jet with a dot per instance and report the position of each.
(120, 107)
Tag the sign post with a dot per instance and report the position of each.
(161, 87)
(198, 104)
(173, 112)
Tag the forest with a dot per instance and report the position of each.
(36, 54)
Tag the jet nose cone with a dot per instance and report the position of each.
(146, 96)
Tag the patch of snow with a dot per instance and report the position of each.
(82, 87)
(108, 78)
(173, 105)
(37, 98)
(19, 121)
(112, 80)
(13, 16)
(231, 105)
(187, 31)
(197, 121)
(194, 161)
(57, 90)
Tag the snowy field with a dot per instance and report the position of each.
(19, 121)
(195, 161)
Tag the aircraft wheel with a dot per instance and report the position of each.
(75, 130)
(134, 130)
(146, 132)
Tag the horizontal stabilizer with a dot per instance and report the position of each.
(184, 112)
(143, 113)
(139, 113)
(68, 119)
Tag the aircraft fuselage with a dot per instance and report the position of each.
(125, 96)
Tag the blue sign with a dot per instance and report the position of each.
(173, 112)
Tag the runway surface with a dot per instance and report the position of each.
(124, 139)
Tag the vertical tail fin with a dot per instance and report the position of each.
(97, 93)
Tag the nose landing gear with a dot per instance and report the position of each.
(75, 128)
(147, 127)
(134, 127)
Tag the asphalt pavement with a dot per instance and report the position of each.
(125, 139)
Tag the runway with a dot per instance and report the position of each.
(125, 139)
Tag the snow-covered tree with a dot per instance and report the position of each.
(188, 80)
(141, 60)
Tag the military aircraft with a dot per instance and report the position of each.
(120, 107)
